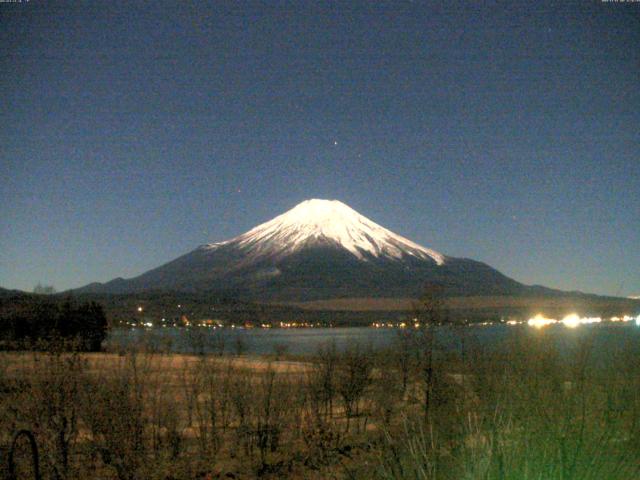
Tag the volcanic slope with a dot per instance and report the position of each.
(320, 249)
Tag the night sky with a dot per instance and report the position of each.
(133, 132)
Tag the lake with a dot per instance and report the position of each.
(607, 337)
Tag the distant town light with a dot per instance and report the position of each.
(571, 321)
(540, 321)
(139, 309)
(591, 320)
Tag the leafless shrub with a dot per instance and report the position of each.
(212, 406)
(241, 398)
(219, 342)
(429, 313)
(388, 390)
(272, 414)
(403, 354)
(239, 344)
(280, 349)
(114, 414)
(49, 406)
(197, 338)
(353, 376)
(320, 383)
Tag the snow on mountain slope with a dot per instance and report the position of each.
(324, 222)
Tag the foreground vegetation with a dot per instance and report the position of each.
(522, 410)
(27, 321)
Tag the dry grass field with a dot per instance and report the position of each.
(522, 411)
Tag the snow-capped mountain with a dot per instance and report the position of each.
(326, 222)
(317, 250)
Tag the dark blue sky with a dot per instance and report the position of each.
(133, 132)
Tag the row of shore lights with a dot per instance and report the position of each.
(574, 320)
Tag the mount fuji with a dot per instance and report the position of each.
(320, 249)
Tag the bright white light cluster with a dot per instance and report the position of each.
(540, 321)
(626, 318)
(574, 320)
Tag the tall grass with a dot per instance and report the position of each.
(529, 412)
(526, 409)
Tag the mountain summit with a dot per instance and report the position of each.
(320, 249)
(326, 222)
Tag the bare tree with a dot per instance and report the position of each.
(280, 350)
(353, 377)
(403, 354)
(429, 312)
(239, 344)
(52, 403)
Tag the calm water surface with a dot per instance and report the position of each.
(605, 338)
